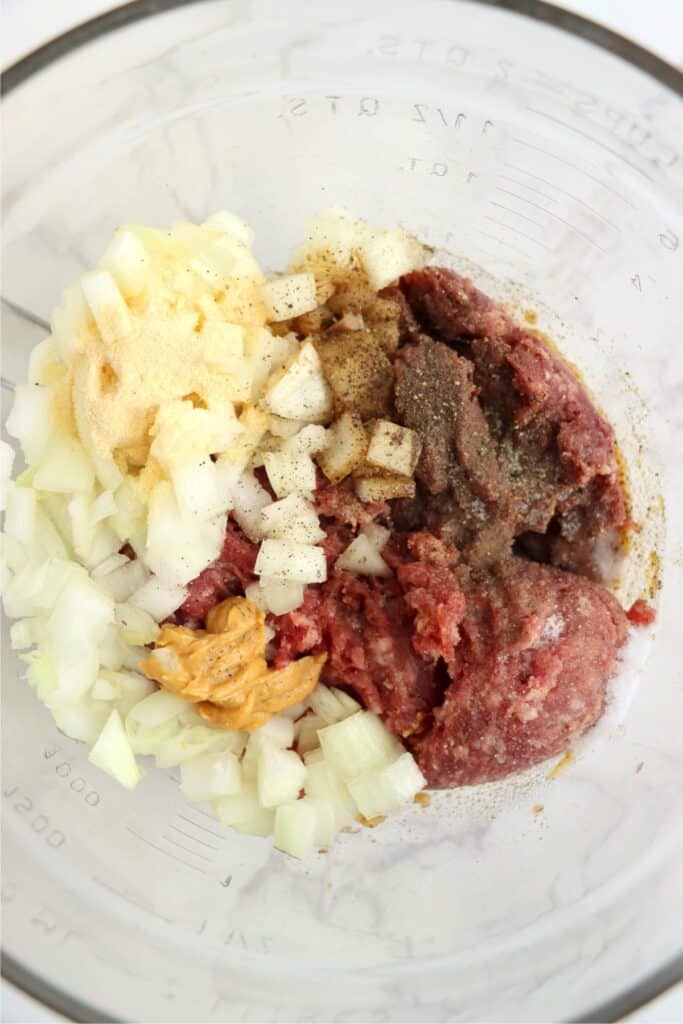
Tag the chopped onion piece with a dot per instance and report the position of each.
(306, 732)
(280, 596)
(346, 446)
(210, 776)
(290, 473)
(295, 828)
(295, 711)
(287, 560)
(43, 360)
(136, 626)
(387, 255)
(229, 223)
(6, 463)
(331, 704)
(20, 514)
(125, 581)
(157, 709)
(249, 498)
(113, 753)
(300, 391)
(126, 258)
(31, 420)
(242, 806)
(358, 744)
(107, 305)
(159, 599)
(292, 518)
(393, 448)
(289, 296)
(193, 740)
(278, 730)
(384, 790)
(81, 721)
(21, 635)
(323, 783)
(109, 564)
(325, 820)
(362, 558)
(280, 427)
(74, 632)
(65, 468)
(384, 488)
(280, 775)
(376, 534)
(308, 440)
(260, 824)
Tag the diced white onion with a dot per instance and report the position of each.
(323, 783)
(295, 828)
(362, 558)
(127, 260)
(107, 305)
(65, 468)
(358, 744)
(387, 255)
(279, 731)
(289, 296)
(300, 391)
(290, 473)
(113, 754)
(20, 513)
(280, 596)
(6, 463)
(249, 498)
(301, 563)
(292, 518)
(331, 704)
(159, 599)
(280, 775)
(307, 732)
(385, 790)
(242, 806)
(210, 776)
(157, 709)
(136, 626)
(229, 223)
(21, 635)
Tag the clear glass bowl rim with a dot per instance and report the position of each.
(27, 981)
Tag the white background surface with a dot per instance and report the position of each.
(26, 24)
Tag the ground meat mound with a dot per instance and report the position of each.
(513, 445)
(537, 645)
(489, 647)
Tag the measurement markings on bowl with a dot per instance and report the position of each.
(167, 853)
(40, 823)
(550, 184)
(574, 167)
(591, 138)
(63, 768)
(549, 213)
(501, 241)
(135, 901)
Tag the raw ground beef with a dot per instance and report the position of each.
(488, 648)
(513, 447)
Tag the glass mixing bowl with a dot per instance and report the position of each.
(520, 144)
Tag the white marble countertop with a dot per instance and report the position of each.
(26, 24)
